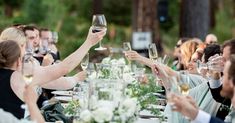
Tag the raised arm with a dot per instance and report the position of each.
(52, 72)
(64, 83)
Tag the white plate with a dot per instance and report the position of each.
(64, 93)
(157, 106)
(146, 113)
(63, 98)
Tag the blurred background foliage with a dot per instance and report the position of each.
(72, 20)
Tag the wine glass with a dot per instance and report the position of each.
(55, 37)
(85, 62)
(44, 47)
(201, 66)
(29, 48)
(183, 82)
(91, 71)
(127, 47)
(165, 60)
(27, 69)
(153, 55)
(98, 24)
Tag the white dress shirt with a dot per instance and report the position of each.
(202, 117)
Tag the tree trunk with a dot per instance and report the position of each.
(97, 7)
(194, 18)
(233, 8)
(8, 10)
(213, 8)
(144, 19)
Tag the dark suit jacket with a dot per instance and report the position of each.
(222, 112)
(215, 120)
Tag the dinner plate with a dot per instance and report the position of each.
(64, 93)
(147, 114)
(157, 106)
(63, 98)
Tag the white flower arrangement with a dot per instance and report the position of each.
(105, 112)
(115, 69)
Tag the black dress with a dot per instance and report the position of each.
(8, 99)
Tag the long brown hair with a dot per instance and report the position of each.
(187, 49)
(9, 53)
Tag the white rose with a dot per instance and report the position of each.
(127, 69)
(128, 107)
(86, 116)
(121, 61)
(113, 61)
(102, 114)
(105, 103)
(128, 78)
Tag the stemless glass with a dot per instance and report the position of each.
(85, 62)
(27, 68)
(153, 55)
(98, 24)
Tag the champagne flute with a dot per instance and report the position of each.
(27, 71)
(85, 62)
(153, 55)
(98, 24)
(27, 68)
(127, 47)
(183, 82)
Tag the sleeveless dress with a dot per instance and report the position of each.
(8, 99)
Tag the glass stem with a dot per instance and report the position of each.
(100, 43)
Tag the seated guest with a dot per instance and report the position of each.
(46, 35)
(30, 97)
(211, 39)
(187, 107)
(46, 77)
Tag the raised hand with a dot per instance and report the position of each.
(94, 38)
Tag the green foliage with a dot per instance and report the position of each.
(144, 94)
(225, 24)
(12, 3)
(34, 11)
(121, 9)
(72, 108)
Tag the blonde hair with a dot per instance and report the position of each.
(187, 49)
(13, 33)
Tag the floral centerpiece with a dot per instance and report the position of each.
(119, 101)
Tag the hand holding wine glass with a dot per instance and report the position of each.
(98, 24)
